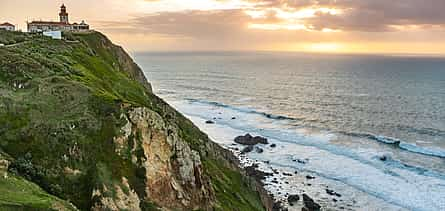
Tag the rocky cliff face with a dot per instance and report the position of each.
(79, 123)
(173, 171)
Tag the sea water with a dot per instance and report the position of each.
(371, 127)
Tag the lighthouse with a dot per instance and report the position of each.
(63, 14)
(62, 25)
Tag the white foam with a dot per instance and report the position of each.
(357, 168)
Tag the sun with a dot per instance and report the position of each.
(323, 47)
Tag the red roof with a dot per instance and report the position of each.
(6, 24)
(48, 23)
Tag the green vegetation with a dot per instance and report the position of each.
(19, 194)
(231, 190)
(60, 106)
(12, 37)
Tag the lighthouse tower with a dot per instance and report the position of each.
(63, 14)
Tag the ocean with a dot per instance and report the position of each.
(370, 127)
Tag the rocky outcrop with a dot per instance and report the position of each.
(250, 140)
(293, 198)
(310, 204)
(118, 197)
(4, 164)
(173, 171)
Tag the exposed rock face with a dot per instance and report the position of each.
(4, 164)
(173, 172)
(119, 197)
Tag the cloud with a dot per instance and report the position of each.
(365, 15)
(233, 24)
(194, 23)
(314, 15)
(274, 24)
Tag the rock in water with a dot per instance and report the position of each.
(260, 140)
(247, 149)
(250, 140)
(310, 204)
(332, 193)
(310, 177)
(273, 145)
(287, 174)
(259, 150)
(210, 122)
(383, 158)
(292, 199)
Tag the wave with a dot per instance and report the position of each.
(245, 110)
(419, 170)
(402, 145)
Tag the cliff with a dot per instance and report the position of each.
(81, 129)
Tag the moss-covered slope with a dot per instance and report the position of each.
(78, 118)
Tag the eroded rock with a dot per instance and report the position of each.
(124, 198)
(250, 140)
(310, 204)
(291, 199)
(255, 173)
(173, 171)
(247, 149)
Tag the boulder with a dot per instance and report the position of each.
(310, 177)
(300, 161)
(310, 204)
(287, 174)
(247, 149)
(277, 206)
(383, 158)
(210, 122)
(273, 145)
(332, 193)
(250, 140)
(259, 150)
(252, 171)
(291, 199)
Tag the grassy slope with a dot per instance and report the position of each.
(69, 98)
(17, 193)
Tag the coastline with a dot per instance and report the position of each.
(355, 166)
(281, 182)
(284, 178)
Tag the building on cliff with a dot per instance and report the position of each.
(62, 25)
(7, 26)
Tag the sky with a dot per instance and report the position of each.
(329, 26)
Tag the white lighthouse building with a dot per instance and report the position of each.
(63, 15)
(62, 25)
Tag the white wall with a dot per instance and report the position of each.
(57, 35)
(8, 28)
